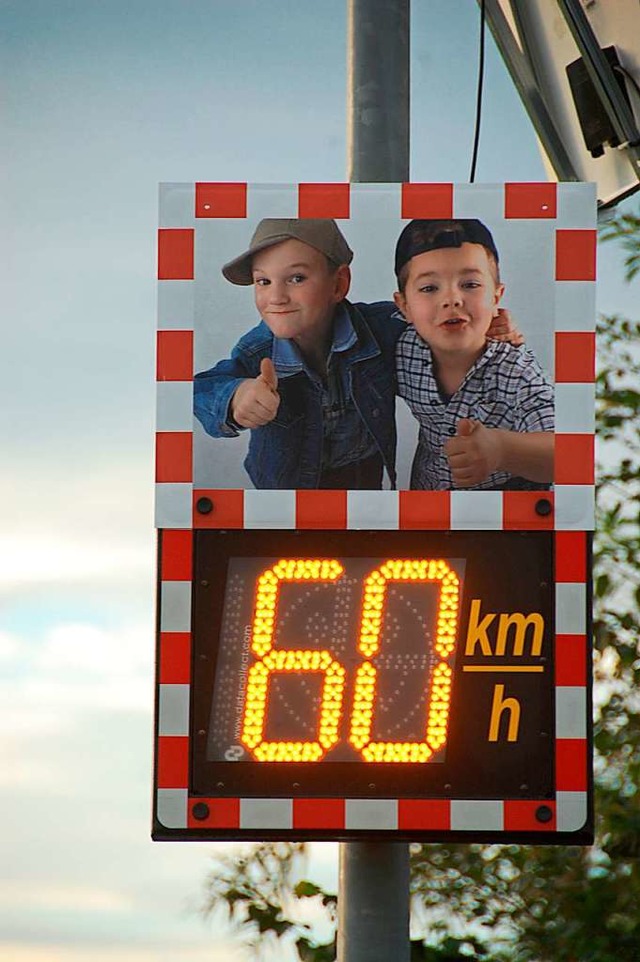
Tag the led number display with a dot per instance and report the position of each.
(391, 575)
(325, 671)
(373, 680)
(296, 661)
(405, 572)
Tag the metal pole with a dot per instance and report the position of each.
(373, 902)
(378, 91)
(373, 884)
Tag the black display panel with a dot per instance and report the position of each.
(328, 668)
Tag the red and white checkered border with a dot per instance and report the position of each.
(569, 807)
(570, 206)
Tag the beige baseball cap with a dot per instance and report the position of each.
(321, 233)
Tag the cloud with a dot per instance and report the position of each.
(148, 952)
(84, 550)
(83, 879)
(28, 558)
(97, 654)
(81, 898)
(9, 647)
(73, 668)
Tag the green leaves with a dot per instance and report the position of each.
(451, 950)
(626, 229)
(268, 918)
(310, 952)
(306, 890)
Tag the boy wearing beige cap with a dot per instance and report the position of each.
(314, 382)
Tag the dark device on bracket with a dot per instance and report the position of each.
(595, 124)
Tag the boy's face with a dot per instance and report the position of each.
(296, 291)
(451, 297)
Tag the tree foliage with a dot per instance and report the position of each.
(529, 903)
(626, 229)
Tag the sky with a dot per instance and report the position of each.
(103, 101)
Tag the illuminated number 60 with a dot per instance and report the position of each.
(307, 660)
(285, 660)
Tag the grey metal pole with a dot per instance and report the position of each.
(373, 884)
(378, 91)
(373, 902)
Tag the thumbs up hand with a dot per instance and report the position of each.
(474, 453)
(256, 400)
(466, 427)
(268, 373)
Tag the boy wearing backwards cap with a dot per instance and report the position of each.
(314, 382)
(485, 409)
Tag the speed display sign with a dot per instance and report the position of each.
(425, 682)
(347, 646)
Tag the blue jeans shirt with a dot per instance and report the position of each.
(291, 451)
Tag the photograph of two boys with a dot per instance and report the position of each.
(374, 352)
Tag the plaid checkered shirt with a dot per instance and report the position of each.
(506, 388)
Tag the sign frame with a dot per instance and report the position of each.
(187, 510)
(566, 215)
(183, 814)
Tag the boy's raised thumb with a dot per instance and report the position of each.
(465, 427)
(268, 373)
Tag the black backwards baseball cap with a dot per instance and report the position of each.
(321, 233)
(420, 236)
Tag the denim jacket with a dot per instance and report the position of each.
(287, 452)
